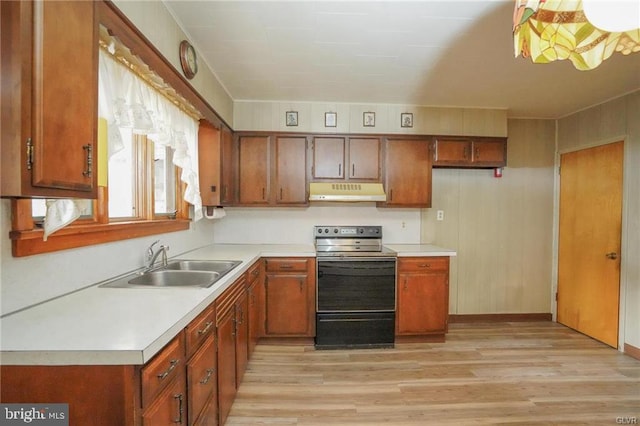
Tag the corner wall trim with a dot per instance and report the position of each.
(467, 318)
(632, 351)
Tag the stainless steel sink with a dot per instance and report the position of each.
(220, 266)
(166, 278)
(178, 273)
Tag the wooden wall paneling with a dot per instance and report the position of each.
(484, 122)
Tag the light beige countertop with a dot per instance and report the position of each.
(409, 250)
(121, 326)
(115, 326)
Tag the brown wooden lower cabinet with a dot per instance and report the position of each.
(231, 319)
(290, 292)
(422, 297)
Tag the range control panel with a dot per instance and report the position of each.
(348, 231)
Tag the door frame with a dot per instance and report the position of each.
(624, 229)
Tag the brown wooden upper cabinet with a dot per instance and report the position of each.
(272, 170)
(470, 152)
(407, 173)
(254, 160)
(50, 114)
(346, 158)
(291, 167)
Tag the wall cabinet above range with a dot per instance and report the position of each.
(470, 152)
(50, 99)
(346, 158)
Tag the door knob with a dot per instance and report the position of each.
(613, 255)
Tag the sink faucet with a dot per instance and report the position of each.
(153, 256)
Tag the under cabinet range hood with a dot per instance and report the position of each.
(346, 192)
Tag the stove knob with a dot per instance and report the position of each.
(335, 230)
(326, 230)
(361, 231)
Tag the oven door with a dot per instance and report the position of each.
(356, 284)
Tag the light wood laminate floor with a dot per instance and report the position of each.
(506, 373)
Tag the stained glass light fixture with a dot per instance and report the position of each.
(551, 30)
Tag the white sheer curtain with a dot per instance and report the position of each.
(127, 101)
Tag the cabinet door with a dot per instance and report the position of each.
(242, 336)
(490, 153)
(255, 294)
(287, 305)
(408, 173)
(209, 163)
(291, 168)
(65, 110)
(50, 113)
(254, 165)
(228, 168)
(422, 303)
(226, 364)
(364, 158)
(328, 158)
(201, 378)
(169, 407)
(452, 152)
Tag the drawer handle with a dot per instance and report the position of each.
(174, 363)
(179, 397)
(210, 372)
(425, 265)
(206, 328)
(286, 266)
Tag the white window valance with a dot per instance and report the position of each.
(127, 101)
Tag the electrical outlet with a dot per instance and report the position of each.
(404, 225)
(440, 215)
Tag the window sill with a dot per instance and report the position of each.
(27, 243)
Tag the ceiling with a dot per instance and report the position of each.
(431, 53)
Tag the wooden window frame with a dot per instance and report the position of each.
(27, 238)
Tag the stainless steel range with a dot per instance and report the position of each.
(356, 279)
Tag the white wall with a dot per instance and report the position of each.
(295, 225)
(616, 120)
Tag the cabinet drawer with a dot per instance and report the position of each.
(202, 378)
(286, 265)
(199, 329)
(423, 264)
(162, 369)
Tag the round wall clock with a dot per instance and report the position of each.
(188, 59)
